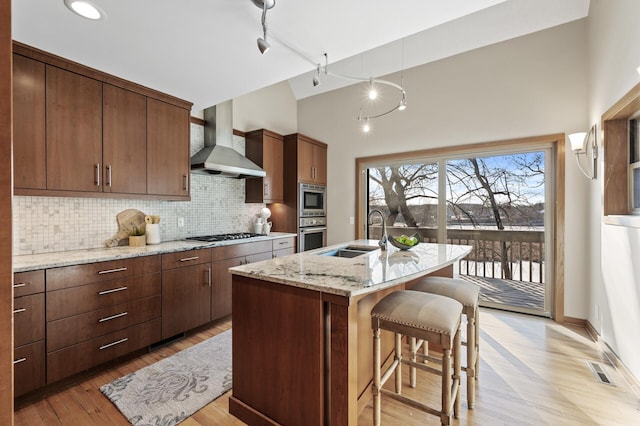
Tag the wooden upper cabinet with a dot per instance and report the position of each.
(168, 164)
(124, 141)
(74, 131)
(265, 148)
(28, 123)
(311, 159)
(79, 132)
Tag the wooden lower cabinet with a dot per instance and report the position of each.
(82, 356)
(28, 367)
(221, 290)
(100, 311)
(29, 331)
(186, 295)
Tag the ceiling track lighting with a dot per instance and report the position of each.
(263, 44)
(374, 83)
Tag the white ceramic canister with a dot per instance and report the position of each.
(153, 233)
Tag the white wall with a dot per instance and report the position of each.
(272, 108)
(533, 85)
(614, 262)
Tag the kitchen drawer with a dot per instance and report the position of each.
(28, 319)
(80, 357)
(185, 258)
(284, 252)
(28, 367)
(241, 249)
(91, 297)
(258, 257)
(76, 329)
(25, 283)
(73, 276)
(284, 243)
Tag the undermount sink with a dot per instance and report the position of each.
(349, 251)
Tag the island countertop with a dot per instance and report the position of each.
(349, 277)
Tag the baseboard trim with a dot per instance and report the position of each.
(633, 383)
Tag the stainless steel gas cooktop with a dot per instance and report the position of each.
(225, 237)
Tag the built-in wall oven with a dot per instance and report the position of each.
(313, 200)
(312, 233)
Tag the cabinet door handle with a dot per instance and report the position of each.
(187, 259)
(266, 188)
(113, 290)
(111, 271)
(117, 342)
(209, 276)
(98, 174)
(18, 285)
(19, 360)
(109, 175)
(105, 319)
(19, 310)
(186, 182)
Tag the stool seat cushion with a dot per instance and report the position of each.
(419, 311)
(464, 292)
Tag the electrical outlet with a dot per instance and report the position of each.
(351, 220)
(180, 222)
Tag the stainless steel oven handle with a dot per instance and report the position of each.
(307, 230)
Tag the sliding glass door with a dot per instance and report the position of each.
(499, 203)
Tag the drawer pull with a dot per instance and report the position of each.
(186, 259)
(111, 271)
(19, 360)
(121, 314)
(282, 243)
(117, 342)
(113, 290)
(17, 311)
(18, 285)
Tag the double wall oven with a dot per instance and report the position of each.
(312, 225)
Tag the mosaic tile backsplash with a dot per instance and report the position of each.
(53, 224)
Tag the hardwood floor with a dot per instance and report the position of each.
(532, 372)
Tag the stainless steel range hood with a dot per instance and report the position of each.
(217, 157)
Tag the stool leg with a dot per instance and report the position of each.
(398, 356)
(477, 321)
(457, 370)
(471, 360)
(445, 413)
(376, 377)
(412, 369)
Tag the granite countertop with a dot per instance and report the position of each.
(350, 277)
(34, 262)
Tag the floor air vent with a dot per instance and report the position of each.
(599, 372)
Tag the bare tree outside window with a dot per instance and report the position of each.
(503, 192)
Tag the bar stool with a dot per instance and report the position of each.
(468, 295)
(432, 318)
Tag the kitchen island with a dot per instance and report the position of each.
(302, 345)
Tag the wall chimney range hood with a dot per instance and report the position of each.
(217, 157)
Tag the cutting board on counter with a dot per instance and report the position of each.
(127, 220)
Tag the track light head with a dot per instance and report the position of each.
(263, 45)
(403, 102)
(316, 77)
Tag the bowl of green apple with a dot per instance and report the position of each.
(404, 242)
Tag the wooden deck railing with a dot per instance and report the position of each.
(513, 255)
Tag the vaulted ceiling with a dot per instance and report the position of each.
(205, 50)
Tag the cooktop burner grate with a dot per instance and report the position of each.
(225, 237)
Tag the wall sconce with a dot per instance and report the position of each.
(585, 144)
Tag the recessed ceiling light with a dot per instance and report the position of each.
(86, 9)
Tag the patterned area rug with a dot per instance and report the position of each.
(169, 391)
